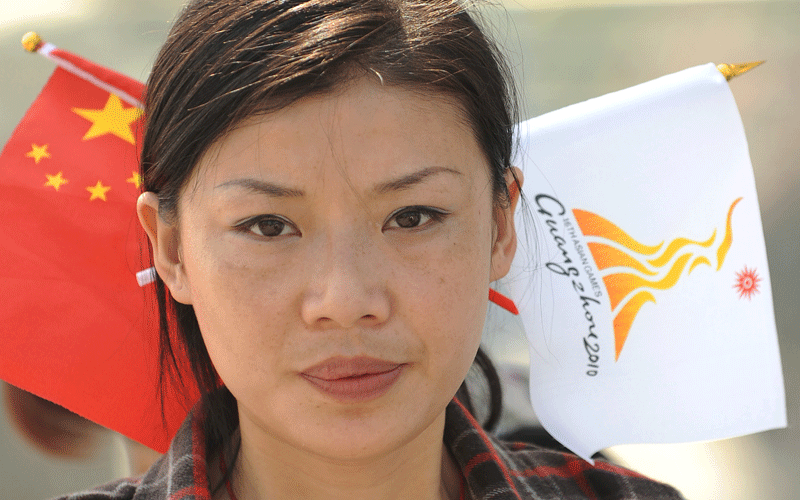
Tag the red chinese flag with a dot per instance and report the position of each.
(75, 327)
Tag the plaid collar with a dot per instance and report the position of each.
(491, 469)
(499, 470)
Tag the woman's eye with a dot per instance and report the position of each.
(409, 219)
(268, 227)
(414, 217)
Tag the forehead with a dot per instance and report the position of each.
(365, 132)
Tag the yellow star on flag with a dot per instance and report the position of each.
(55, 181)
(98, 191)
(112, 119)
(135, 179)
(38, 152)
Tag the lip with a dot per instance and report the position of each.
(353, 379)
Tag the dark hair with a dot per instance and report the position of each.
(227, 60)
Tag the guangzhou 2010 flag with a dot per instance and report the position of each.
(74, 324)
(650, 313)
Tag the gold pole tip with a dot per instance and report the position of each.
(732, 70)
(31, 41)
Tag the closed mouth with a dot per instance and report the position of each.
(353, 379)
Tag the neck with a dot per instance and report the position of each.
(269, 469)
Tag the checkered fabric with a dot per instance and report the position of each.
(491, 470)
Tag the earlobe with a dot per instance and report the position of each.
(505, 245)
(164, 239)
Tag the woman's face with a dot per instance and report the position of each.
(338, 255)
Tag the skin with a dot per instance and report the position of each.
(340, 266)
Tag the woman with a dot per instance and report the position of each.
(328, 196)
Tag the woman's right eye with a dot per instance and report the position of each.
(267, 226)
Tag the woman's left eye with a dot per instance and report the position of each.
(415, 217)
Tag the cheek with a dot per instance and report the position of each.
(452, 294)
(242, 309)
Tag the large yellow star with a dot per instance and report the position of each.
(135, 179)
(98, 191)
(55, 181)
(112, 119)
(38, 152)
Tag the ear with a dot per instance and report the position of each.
(164, 239)
(505, 245)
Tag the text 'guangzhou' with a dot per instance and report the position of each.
(558, 224)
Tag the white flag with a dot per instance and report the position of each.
(642, 279)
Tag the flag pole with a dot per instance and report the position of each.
(733, 70)
(32, 42)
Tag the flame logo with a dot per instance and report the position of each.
(656, 267)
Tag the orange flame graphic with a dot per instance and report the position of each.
(613, 248)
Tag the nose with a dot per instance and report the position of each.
(348, 286)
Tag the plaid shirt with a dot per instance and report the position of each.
(491, 469)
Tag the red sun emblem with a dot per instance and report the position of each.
(747, 282)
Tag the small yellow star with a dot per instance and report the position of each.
(112, 119)
(38, 152)
(135, 179)
(98, 191)
(55, 181)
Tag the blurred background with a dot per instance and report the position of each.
(562, 52)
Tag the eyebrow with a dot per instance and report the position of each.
(411, 180)
(263, 187)
(278, 191)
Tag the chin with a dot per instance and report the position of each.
(360, 433)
